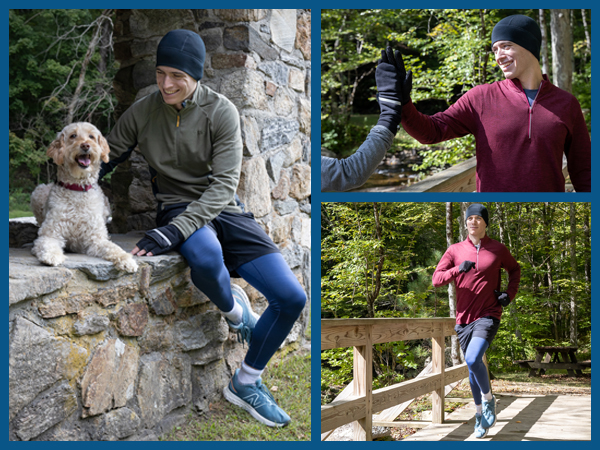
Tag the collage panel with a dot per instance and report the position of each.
(457, 100)
(455, 321)
(160, 225)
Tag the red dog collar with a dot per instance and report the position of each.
(76, 187)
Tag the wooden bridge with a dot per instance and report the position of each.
(360, 404)
(520, 417)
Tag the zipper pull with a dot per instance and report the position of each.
(177, 120)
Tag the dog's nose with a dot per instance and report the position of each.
(84, 146)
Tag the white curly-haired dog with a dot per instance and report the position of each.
(72, 213)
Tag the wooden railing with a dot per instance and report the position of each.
(458, 178)
(364, 401)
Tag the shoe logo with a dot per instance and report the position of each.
(254, 400)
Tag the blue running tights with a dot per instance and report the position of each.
(269, 274)
(478, 375)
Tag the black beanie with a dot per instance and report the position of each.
(183, 50)
(521, 30)
(477, 209)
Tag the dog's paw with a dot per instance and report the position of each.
(51, 259)
(127, 264)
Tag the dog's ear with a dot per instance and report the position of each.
(105, 148)
(56, 149)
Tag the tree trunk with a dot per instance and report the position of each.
(455, 347)
(562, 49)
(588, 40)
(462, 220)
(544, 47)
(573, 324)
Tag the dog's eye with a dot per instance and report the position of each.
(73, 136)
(92, 136)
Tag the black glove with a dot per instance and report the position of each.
(161, 240)
(389, 76)
(503, 298)
(465, 266)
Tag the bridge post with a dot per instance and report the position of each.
(438, 366)
(363, 385)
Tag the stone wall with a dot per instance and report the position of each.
(97, 354)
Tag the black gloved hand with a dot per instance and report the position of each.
(503, 298)
(389, 75)
(161, 240)
(465, 266)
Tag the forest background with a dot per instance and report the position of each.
(377, 260)
(449, 52)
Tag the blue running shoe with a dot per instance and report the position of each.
(489, 413)
(249, 317)
(480, 432)
(257, 400)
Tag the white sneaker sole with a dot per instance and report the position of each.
(232, 398)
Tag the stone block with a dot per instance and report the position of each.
(62, 305)
(284, 103)
(304, 116)
(26, 282)
(22, 231)
(300, 188)
(281, 191)
(200, 330)
(109, 378)
(276, 71)
(45, 411)
(293, 152)
(245, 88)
(270, 88)
(113, 295)
(157, 337)
(37, 360)
(247, 39)
(253, 188)
(241, 15)
(296, 80)
(164, 384)
(283, 28)
(144, 74)
(278, 131)
(250, 135)
(274, 165)
(162, 301)
(208, 382)
(213, 39)
(116, 424)
(231, 60)
(132, 319)
(303, 34)
(281, 228)
(91, 323)
(285, 207)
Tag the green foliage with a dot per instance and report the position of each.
(412, 241)
(46, 53)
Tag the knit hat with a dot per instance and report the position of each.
(477, 209)
(183, 50)
(521, 30)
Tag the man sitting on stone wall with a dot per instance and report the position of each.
(190, 137)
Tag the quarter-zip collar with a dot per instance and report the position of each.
(516, 85)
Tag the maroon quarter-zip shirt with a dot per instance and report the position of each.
(518, 148)
(475, 289)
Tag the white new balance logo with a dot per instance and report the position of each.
(254, 400)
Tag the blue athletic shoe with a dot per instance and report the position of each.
(257, 400)
(480, 432)
(489, 413)
(249, 317)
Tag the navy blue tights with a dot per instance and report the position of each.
(269, 274)
(478, 375)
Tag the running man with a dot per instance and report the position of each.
(474, 266)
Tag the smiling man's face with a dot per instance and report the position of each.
(175, 85)
(513, 60)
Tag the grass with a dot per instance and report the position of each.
(226, 422)
(18, 204)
